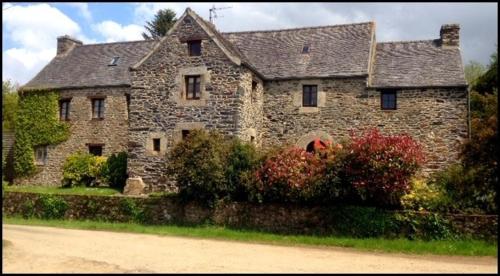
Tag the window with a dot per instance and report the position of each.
(185, 134)
(194, 47)
(310, 95)
(97, 108)
(114, 61)
(388, 100)
(95, 150)
(193, 87)
(64, 110)
(252, 139)
(254, 85)
(128, 103)
(156, 144)
(305, 49)
(41, 155)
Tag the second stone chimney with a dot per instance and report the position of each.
(450, 35)
(66, 43)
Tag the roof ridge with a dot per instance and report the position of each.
(119, 42)
(301, 28)
(407, 41)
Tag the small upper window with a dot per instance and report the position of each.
(97, 108)
(194, 47)
(305, 49)
(64, 110)
(254, 85)
(388, 100)
(310, 95)
(114, 61)
(41, 155)
(156, 144)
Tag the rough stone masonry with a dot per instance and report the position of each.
(254, 85)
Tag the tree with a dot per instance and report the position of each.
(9, 104)
(473, 71)
(159, 26)
(487, 83)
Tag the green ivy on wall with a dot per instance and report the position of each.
(37, 124)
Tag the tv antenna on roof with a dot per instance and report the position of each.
(213, 14)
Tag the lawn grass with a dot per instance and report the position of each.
(63, 191)
(448, 247)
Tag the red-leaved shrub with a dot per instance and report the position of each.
(290, 175)
(380, 167)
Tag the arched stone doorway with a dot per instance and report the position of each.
(307, 141)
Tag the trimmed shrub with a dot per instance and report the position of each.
(208, 167)
(114, 171)
(82, 169)
(242, 160)
(291, 175)
(198, 164)
(380, 167)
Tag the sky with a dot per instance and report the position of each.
(30, 30)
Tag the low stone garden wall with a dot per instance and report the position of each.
(278, 218)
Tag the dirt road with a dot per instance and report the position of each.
(46, 249)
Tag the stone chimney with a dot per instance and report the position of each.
(450, 35)
(65, 43)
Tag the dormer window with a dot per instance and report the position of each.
(194, 47)
(305, 49)
(114, 61)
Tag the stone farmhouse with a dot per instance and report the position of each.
(266, 87)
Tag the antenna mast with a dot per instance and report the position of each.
(213, 14)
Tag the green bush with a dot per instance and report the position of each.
(131, 210)
(241, 161)
(208, 166)
(53, 207)
(430, 226)
(114, 171)
(82, 169)
(198, 164)
(466, 189)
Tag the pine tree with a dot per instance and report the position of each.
(159, 26)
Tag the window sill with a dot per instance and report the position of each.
(308, 109)
(97, 119)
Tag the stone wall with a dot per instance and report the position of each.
(437, 118)
(278, 218)
(111, 131)
(159, 104)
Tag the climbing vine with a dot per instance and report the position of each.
(37, 124)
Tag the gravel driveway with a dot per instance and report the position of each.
(46, 249)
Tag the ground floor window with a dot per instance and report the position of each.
(185, 134)
(41, 155)
(95, 150)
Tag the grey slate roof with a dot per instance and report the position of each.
(87, 66)
(340, 50)
(417, 64)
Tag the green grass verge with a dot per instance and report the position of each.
(63, 191)
(459, 247)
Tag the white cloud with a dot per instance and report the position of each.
(33, 30)
(112, 31)
(83, 8)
